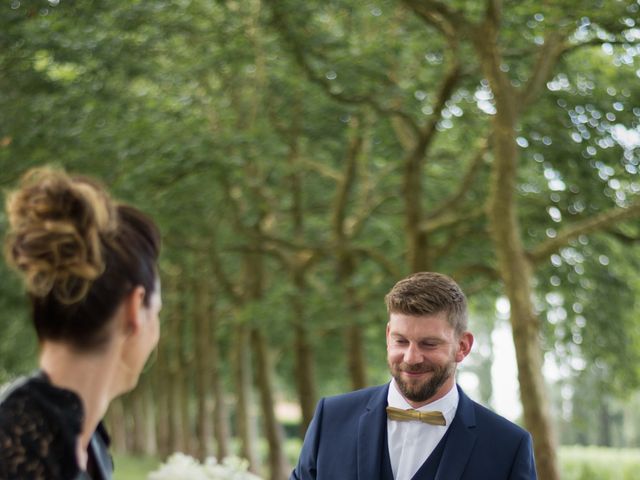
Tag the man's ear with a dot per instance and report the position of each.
(387, 334)
(132, 307)
(465, 342)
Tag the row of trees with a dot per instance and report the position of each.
(301, 158)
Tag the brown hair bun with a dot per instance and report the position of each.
(57, 226)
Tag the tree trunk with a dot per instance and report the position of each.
(604, 429)
(278, 468)
(302, 347)
(138, 421)
(353, 335)
(203, 368)
(184, 392)
(150, 446)
(515, 272)
(242, 364)
(117, 426)
(417, 248)
(356, 356)
(220, 414)
(514, 268)
(162, 400)
(176, 439)
(304, 374)
(303, 354)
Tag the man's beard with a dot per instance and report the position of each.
(423, 391)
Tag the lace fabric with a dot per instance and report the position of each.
(39, 425)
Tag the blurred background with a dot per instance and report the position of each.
(301, 157)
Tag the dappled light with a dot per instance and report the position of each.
(302, 157)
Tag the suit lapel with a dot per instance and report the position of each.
(371, 435)
(460, 441)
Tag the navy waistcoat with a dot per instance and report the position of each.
(427, 470)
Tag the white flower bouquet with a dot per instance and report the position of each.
(183, 467)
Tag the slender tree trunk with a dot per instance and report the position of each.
(203, 368)
(149, 407)
(278, 468)
(117, 426)
(302, 347)
(174, 379)
(138, 421)
(184, 392)
(353, 334)
(220, 411)
(345, 260)
(303, 353)
(604, 425)
(304, 374)
(175, 406)
(162, 400)
(417, 248)
(220, 414)
(356, 356)
(127, 422)
(242, 364)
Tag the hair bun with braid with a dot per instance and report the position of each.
(58, 224)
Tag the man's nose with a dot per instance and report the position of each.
(412, 355)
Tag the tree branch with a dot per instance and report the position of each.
(222, 277)
(345, 185)
(446, 221)
(439, 15)
(589, 225)
(381, 259)
(457, 197)
(494, 11)
(548, 56)
(623, 237)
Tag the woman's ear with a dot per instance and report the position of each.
(133, 304)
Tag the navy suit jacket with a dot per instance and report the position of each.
(345, 442)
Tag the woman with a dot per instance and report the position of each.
(90, 268)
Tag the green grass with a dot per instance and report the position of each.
(128, 467)
(598, 463)
(576, 463)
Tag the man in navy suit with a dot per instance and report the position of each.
(421, 425)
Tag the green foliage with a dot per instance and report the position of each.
(593, 463)
(203, 113)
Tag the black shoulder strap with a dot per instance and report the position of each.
(100, 452)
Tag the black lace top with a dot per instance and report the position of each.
(39, 427)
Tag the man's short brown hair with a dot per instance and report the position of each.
(429, 293)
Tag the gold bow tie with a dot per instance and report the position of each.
(432, 418)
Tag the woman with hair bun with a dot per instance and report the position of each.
(89, 265)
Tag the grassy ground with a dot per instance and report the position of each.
(597, 463)
(133, 468)
(577, 463)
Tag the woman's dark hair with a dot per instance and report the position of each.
(80, 254)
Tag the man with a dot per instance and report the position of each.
(421, 425)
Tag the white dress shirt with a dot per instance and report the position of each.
(411, 442)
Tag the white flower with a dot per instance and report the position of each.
(183, 467)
